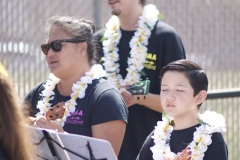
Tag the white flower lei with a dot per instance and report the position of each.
(212, 122)
(78, 89)
(137, 44)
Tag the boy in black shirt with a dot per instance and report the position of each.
(184, 133)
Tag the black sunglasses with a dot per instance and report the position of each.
(56, 45)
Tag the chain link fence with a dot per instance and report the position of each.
(209, 29)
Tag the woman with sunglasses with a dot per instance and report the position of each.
(76, 99)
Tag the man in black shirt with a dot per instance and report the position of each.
(135, 46)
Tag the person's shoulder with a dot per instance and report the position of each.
(217, 138)
(39, 86)
(36, 89)
(103, 84)
(166, 32)
(217, 149)
(164, 28)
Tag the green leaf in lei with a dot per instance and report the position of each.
(160, 16)
(103, 39)
(142, 73)
(171, 122)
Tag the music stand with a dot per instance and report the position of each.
(53, 145)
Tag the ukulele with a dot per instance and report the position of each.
(139, 88)
(55, 112)
(184, 155)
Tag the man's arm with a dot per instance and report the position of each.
(151, 101)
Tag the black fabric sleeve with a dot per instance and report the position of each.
(109, 106)
(172, 46)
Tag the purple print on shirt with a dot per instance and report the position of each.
(75, 118)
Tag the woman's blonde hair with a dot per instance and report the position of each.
(15, 141)
(3, 71)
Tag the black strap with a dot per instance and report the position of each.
(50, 144)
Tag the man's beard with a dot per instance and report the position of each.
(116, 12)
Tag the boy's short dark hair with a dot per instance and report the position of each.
(193, 72)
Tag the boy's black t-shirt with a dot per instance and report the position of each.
(180, 139)
(102, 103)
(164, 46)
